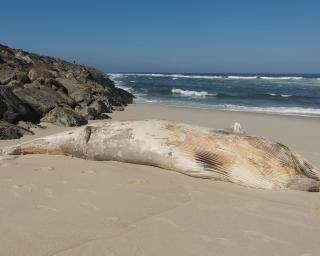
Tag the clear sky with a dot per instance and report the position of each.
(273, 36)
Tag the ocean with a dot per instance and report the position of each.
(270, 93)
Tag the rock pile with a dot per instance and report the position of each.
(36, 88)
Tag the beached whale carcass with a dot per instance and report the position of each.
(192, 150)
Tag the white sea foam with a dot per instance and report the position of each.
(197, 77)
(282, 95)
(295, 111)
(174, 76)
(146, 74)
(279, 110)
(115, 78)
(281, 78)
(126, 88)
(191, 93)
(115, 75)
(242, 77)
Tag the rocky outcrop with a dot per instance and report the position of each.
(11, 131)
(43, 98)
(13, 109)
(96, 110)
(34, 88)
(64, 116)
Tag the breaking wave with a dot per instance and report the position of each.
(278, 110)
(293, 94)
(192, 93)
(204, 76)
(175, 76)
(242, 77)
(116, 78)
(281, 78)
(282, 95)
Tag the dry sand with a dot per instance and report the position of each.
(56, 205)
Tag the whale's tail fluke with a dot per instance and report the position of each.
(304, 184)
(37, 146)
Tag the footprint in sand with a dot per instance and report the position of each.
(115, 219)
(4, 164)
(121, 224)
(192, 190)
(87, 191)
(16, 186)
(62, 181)
(5, 161)
(251, 205)
(91, 207)
(48, 208)
(44, 169)
(255, 235)
(138, 182)
(89, 171)
(224, 241)
(9, 157)
(48, 192)
(15, 189)
(316, 211)
(25, 188)
(167, 221)
(205, 238)
(220, 240)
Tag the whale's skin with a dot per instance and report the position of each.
(188, 149)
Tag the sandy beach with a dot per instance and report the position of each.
(58, 205)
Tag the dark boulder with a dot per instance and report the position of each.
(3, 108)
(101, 106)
(55, 85)
(39, 72)
(12, 109)
(42, 98)
(22, 78)
(119, 97)
(85, 76)
(28, 125)
(7, 73)
(86, 112)
(96, 110)
(83, 96)
(118, 108)
(9, 131)
(14, 84)
(64, 116)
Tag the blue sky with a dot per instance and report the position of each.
(170, 36)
